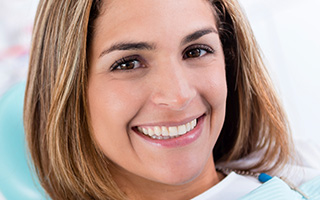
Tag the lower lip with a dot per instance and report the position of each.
(180, 141)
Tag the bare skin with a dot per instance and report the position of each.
(157, 64)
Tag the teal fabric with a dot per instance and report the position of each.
(276, 189)
(312, 188)
(17, 181)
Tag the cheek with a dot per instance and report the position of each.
(215, 95)
(111, 107)
(115, 102)
(217, 92)
(212, 86)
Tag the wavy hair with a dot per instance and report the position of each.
(65, 156)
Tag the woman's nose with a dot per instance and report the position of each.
(173, 87)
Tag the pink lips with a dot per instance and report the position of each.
(180, 141)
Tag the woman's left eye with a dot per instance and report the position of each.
(128, 63)
(197, 51)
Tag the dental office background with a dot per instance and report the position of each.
(288, 32)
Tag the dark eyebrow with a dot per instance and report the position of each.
(124, 46)
(198, 34)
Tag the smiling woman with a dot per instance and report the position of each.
(144, 99)
(140, 107)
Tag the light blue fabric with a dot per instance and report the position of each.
(16, 179)
(312, 188)
(276, 189)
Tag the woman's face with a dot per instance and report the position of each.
(157, 88)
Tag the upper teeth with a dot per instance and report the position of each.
(164, 132)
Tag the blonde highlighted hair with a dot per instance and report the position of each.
(56, 116)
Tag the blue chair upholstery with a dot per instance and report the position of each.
(17, 180)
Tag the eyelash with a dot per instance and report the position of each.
(200, 47)
(135, 58)
(125, 60)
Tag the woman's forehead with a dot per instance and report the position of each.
(151, 19)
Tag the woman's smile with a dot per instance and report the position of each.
(163, 132)
(157, 97)
(127, 99)
(172, 134)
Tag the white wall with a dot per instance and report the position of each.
(288, 32)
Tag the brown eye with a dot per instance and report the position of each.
(129, 63)
(193, 53)
(197, 51)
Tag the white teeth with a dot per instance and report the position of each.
(163, 132)
(193, 123)
(144, 130)
(182, 129)
(173, 131)
(150, 131)
(188, 126)
(157, 131)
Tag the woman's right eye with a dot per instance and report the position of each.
(127, 63)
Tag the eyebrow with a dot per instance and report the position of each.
(125, 46)
(198, 34)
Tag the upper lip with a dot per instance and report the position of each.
(170, 123)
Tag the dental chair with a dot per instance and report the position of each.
(17, 179)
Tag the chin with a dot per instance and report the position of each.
(183, 173)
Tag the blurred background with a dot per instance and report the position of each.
(288, 32)
(16, 19)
